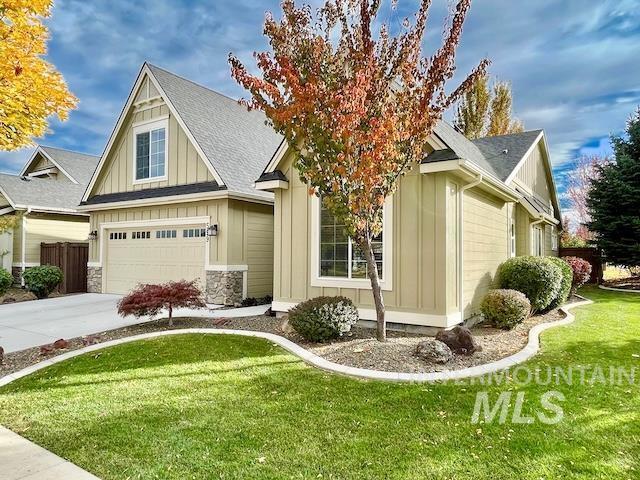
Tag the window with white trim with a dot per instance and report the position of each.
(150, 151)
(554, 238)
(340, 257)
(194, 232)
(512, 235)
(537, 241)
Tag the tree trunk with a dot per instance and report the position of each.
(170, 315)
(381, 327)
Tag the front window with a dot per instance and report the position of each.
(513, 237)
(340, 257)
(554, 238)
(150, 151)
(538, 242)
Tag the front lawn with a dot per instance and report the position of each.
(198, 406)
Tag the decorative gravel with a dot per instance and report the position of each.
(631, 283)
(359, 349)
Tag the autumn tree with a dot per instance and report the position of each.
(355, 106)
(584, 171)
(486, 111)
(31, 90)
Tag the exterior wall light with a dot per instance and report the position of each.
(212, 230)
(93, 235)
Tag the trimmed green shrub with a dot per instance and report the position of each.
(565, 282)
(6, 280)
(537, 277)
(505, 308)
(323, 318)
(42, 280)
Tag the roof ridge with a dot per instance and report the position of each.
(235, 100)
(537, 130)
(67, 150)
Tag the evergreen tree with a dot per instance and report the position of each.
(614, 200)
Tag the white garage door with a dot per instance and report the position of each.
(154, 255)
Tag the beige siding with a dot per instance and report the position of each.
(40, 163)
(419, 212)
(47, 228)
(534, 175)
(259, 247)
(486, 245)
(184, 165)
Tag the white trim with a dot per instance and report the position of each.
(227, 268)
(6, 210)
(272, 185)
(146, 100)
(190, 197)
(23, 246)
(554, 238)
(62, 211)
(26, 264)
(524, 158)
(512, 231)
(4, 194)
(386, 283)
(44, 171)
(531, 348)
(145, 70)
(406, 318)
(94, 265)
(41, 151)
(245, 284)
(277, 156)
(146, 127)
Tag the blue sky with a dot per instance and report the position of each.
(573, 64)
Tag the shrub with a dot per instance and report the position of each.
(43, 280)
(581, 272)
(537, 277)
(253, 301)
(565, 282)
(323, 318)
(150, 300)
(505, 308)
(6, 280)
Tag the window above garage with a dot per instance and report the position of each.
(151, 150)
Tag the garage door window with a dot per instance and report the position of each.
(194, 233)
(166, 234)
(117, 235)
(140, 235)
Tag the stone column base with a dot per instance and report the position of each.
(17, 274)
(94, 279)
(224, 288)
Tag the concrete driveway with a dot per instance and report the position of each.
(30, 324)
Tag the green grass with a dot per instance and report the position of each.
(198, 406)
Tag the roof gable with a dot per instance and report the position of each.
(75, 166)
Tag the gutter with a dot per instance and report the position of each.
(478, 180)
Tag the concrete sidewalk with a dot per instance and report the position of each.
(21, 459)
(38, 322)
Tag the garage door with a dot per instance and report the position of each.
(154, 255)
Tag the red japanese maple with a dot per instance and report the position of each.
(150, 300)
(355, 106)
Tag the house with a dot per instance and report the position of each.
(455, 218)
(172, 197)
(45, 194)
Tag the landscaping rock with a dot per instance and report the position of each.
(431, 350)
(285, 327)
(60, 344)
(459, 340)
(90, 340)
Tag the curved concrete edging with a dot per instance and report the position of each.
(526, 353)
(624, 290)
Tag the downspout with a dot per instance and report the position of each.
(475, 183)
(23, 244)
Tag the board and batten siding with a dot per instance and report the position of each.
(533, 174)
(183, 166)
(47, 228)
(486, 245)
(419, 275)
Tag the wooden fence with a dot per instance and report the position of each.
(591, 255)
(72, 259)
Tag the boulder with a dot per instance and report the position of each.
(61, 344)
(431, 350)
(459, 340)
(286, 328)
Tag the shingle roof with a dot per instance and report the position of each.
(236, 142)
(497, 155)
(79, 165)
(41, 192)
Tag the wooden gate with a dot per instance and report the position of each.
(591, 255)
(72, 259)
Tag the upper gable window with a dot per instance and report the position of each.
(150, 151)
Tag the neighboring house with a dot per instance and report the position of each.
(467, 208)
(45, 195)
(173, 198)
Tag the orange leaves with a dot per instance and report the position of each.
(356, 106)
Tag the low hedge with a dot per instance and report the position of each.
(565, 282)
(323, 318)
(42, 280)
(537, 277)
(505, 308)
(6, 280)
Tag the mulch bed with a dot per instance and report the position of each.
(631, 283)
(359, 349)
(17, 294)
